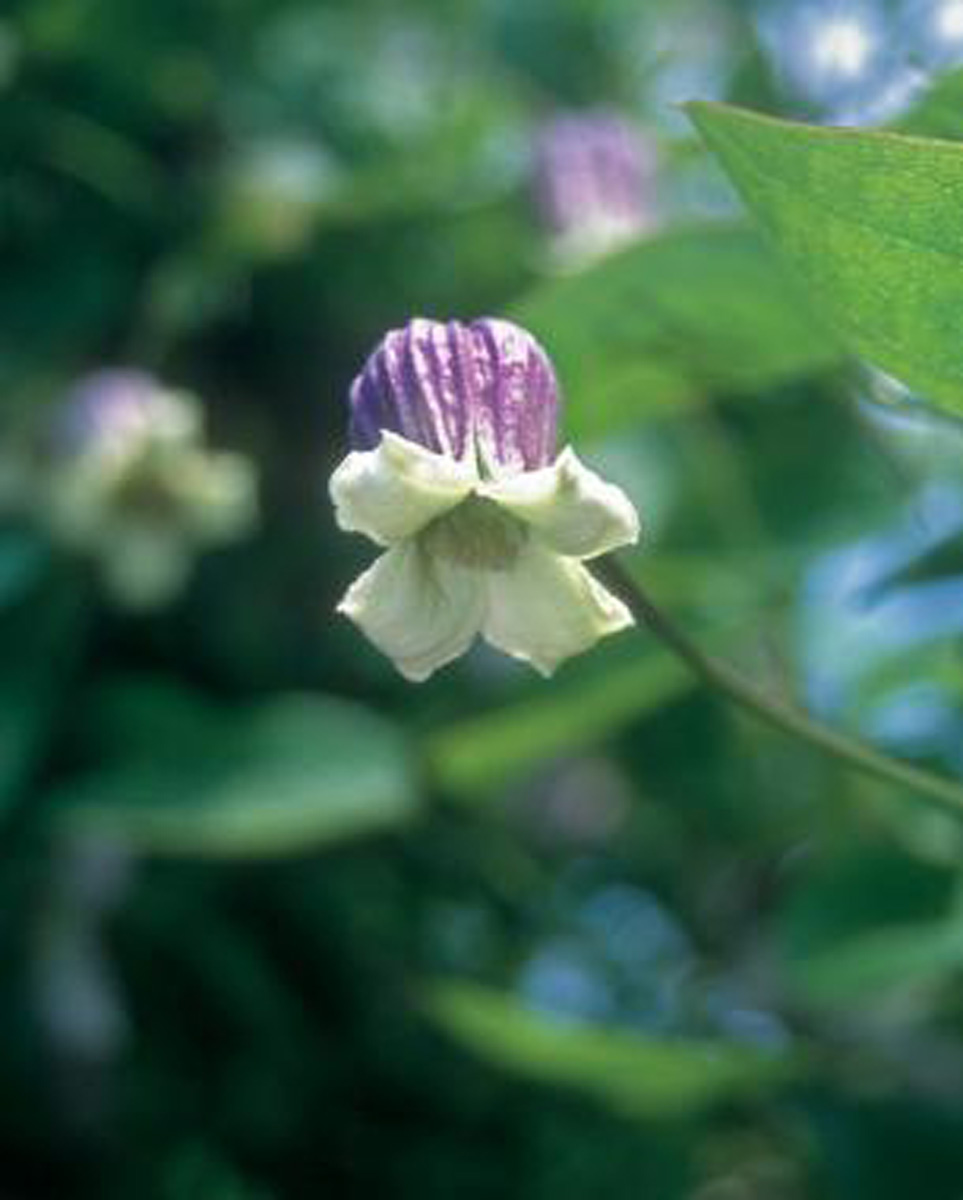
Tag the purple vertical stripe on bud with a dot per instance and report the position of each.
(516, 411)
(486, 389)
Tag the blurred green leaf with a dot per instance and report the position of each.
(693, 313)
(938, 111)
(872, 223)
(41, 640)
(858, 889)
(883, 962)
(185, 777)
(874, 1148)
(102, 159)
(637, 1074)
(941, 560)
(865, 922)
(483, 752)
(22, 558)
(197, 1173)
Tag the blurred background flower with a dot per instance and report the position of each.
(594, 184)
(121, 475)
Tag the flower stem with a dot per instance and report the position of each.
(722, 678)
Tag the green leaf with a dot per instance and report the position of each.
(938, 111)
(23, 558)
(41, 640)
(939, 561)
(869, 921)
(636, 1074)
(883, 962)
(183, 776)
(195, 1170)
(486, 751)
(693, 313)
(872, 223)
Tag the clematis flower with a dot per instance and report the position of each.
(454, 472)
(127, 480)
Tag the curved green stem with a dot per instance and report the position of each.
(722, 678)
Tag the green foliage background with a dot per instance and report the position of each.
(276, 924)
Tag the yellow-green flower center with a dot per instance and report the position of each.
(476, 533)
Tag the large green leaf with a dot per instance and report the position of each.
(692, 313)
(872, 222)
(179, 775)
(483, 752)
(637, 1074)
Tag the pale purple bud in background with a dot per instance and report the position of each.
(78, 998)
(483, 391)
(125, 477)
(576, 803)
(112, 410)
(594, 181)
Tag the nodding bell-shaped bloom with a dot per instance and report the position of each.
(594, 182)
(128, 481)
(453, 470)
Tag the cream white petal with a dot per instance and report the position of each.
(569, 507)
(419, 610)
(216, 494)
(546, 608)
(143, 566)
(394, 491)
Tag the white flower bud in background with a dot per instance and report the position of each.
(272, 194)
(840, 59)
(932, 30)
(594, 184)
(126, 480)
(454, 472)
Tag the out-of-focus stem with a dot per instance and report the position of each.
(723, 679)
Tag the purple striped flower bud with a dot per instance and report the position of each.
(594, 179)
(483, 391)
